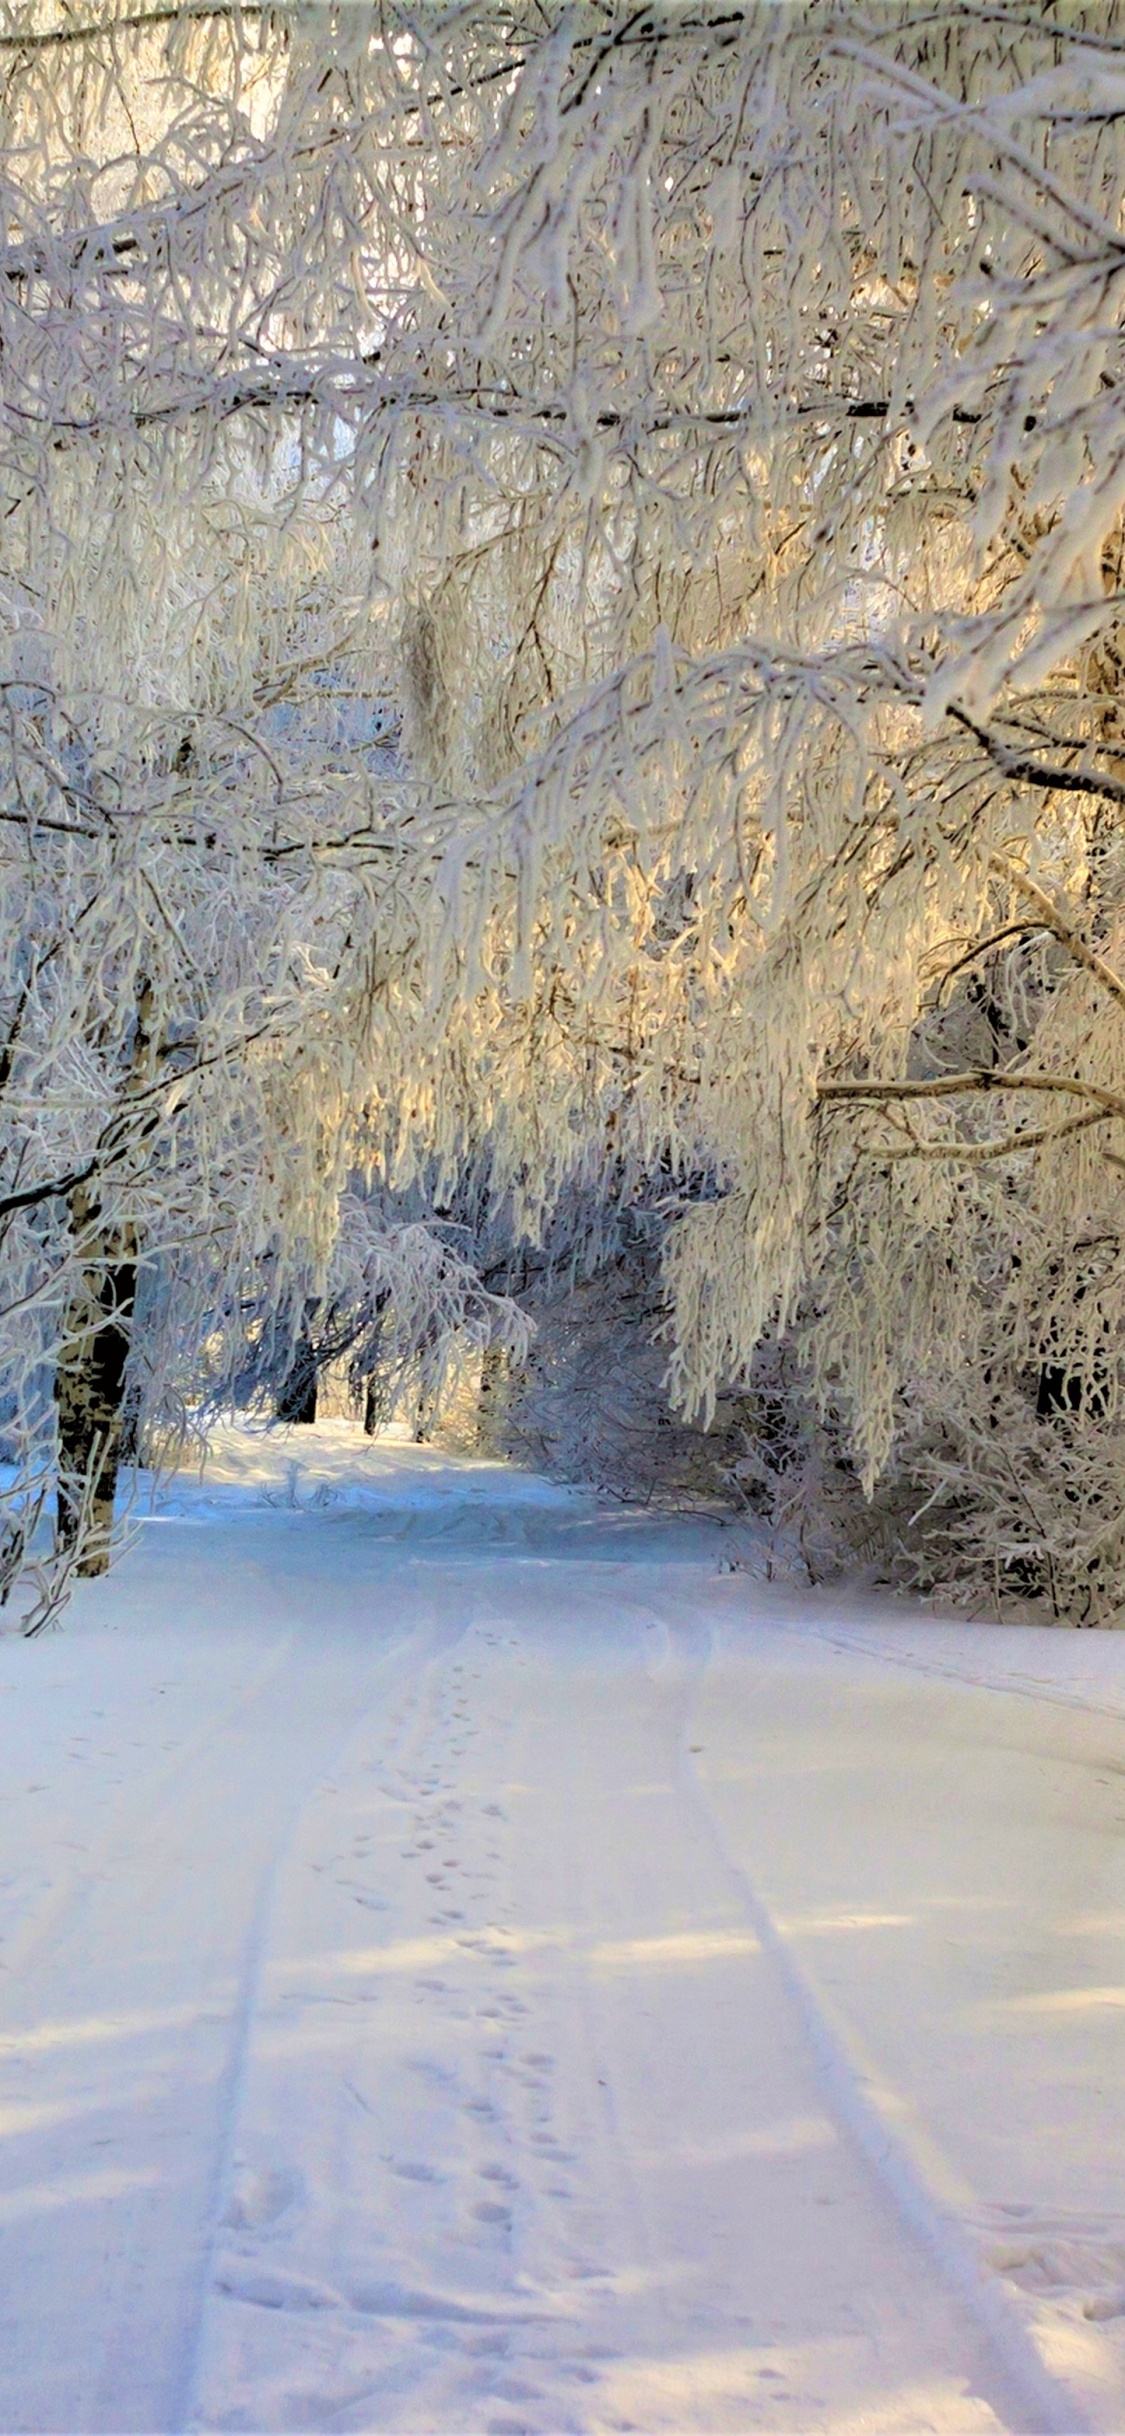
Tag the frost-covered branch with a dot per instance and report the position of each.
(560, 568)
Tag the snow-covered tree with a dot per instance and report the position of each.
(715, 412)
(758, 580)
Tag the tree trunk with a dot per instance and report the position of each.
(131, 1422)
(297, 1399)
(377, 1387)
(90, 1388)
(493, 1379)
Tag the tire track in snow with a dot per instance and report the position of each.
(862, 2106)
(423, 1649)
(668, 2090)
(54, 1915)
(936, 1670)
(892, 1646)
(130, 2025)
(452, 2238)
(419, 1761)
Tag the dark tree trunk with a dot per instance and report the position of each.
(377, 1391)
(131, 1422)
(493, 1380)
(297, 1399)
(90, 1389)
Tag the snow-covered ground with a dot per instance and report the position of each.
(471, 1964)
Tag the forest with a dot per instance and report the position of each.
(562, 756)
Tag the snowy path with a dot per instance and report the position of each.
(451, 1982)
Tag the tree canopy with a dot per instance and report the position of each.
(561, 622)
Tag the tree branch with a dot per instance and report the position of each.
(303, 385)
(996, 938)
(34, 1195)
(1055, 920)
(983, 1078)
(56, 36)
(977, 1153)
(1082, 781)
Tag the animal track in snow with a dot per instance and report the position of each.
(260, 2198)
(272, 2288)
(401, 2301)
(1105, 2305)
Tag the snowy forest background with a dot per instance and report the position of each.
(562, 754)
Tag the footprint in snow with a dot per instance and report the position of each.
(269, 2288)
(399, 2301)
(1105, 2305)
(260, 2198)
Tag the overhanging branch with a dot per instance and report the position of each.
(1004, 1146)
(1055, 920)
(1085, 780)
(982, 1078)
(55, 37)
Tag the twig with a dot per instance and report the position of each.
(977, 1153)
(1055, 920)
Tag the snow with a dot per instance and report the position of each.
(473, 1962)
